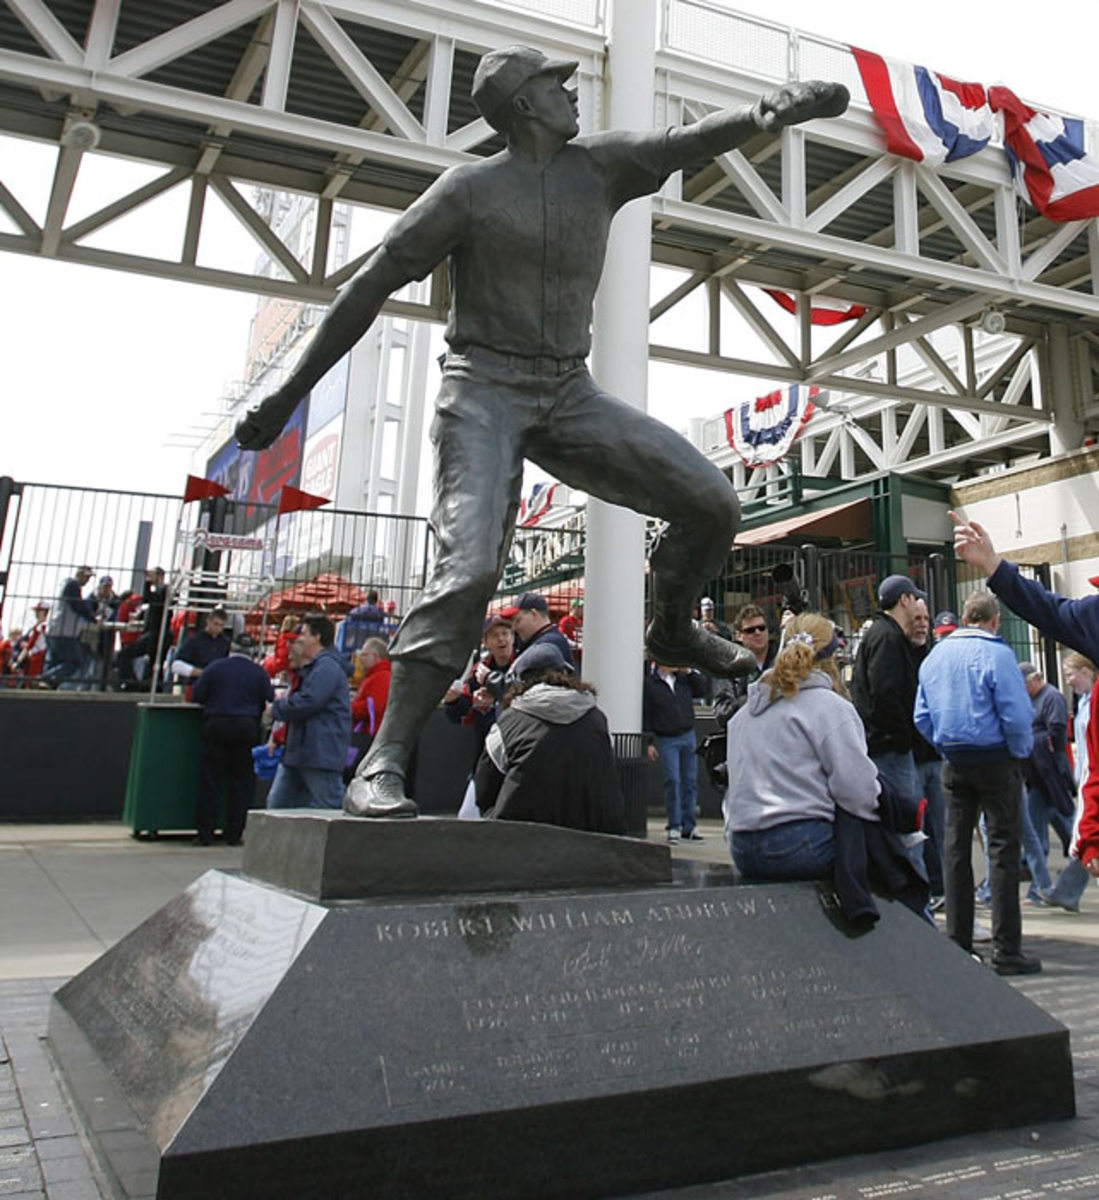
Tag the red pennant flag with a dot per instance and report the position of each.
(202, 489)
(292, 499)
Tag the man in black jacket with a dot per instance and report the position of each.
(154, 598)
(532, 626)
(883, 686)
(233, 692)
(669, 718)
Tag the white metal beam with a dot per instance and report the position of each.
(139, 95)
(124, 204)
(174, 43)
(64, 180)
(905, 267)
(18, 213)
(360, 72)
(867, 179)
(945, 455)
(440, 74)
(101, 31)
(947, 315)
(759, 323)
(258, 228)
(47, 30)
(960, 222)
(836, 383)
(1060, 239)
(746, 178)
(280, 55)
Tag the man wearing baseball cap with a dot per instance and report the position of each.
(883, 686)
(533, 627)
(525, 232)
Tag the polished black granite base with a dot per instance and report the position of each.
(532, 1045)
(328, 856)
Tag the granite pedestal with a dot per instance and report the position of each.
(250, 1042)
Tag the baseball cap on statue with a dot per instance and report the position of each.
(501, 73)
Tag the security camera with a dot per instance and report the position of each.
(81, 135)
(993, 321)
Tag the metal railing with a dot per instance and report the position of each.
(259, 565)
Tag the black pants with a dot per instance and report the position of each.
(994, 789)
(226, 758)
(144, 645)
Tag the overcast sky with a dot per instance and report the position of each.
(100, 368)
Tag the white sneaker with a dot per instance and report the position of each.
(673, 835)
(981, 933)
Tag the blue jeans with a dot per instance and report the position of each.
(930, 775)
(1042, 815)
(1033, 853)
(792, 850)
(679, 762)
(306, 787)
(66, 659)
(1071, 884)
(899, 771)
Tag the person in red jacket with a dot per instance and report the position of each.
(368, 706)
(279, 661)
(368, 703)
(31, 660)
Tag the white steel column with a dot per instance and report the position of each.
(614, 563)
(1059, 381)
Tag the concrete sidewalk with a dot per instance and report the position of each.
(67, 892)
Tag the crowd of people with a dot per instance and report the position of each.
(942, 734)
(874, 769)
(88, 638)
(531, 717)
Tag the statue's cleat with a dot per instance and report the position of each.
(380, 795)
(702, 649)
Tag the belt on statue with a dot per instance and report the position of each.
(538, 364)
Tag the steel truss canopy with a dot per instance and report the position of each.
(365, 102)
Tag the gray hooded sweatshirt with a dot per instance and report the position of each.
(796, 759)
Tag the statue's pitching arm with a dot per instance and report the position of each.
(725, 130)
(351, 315)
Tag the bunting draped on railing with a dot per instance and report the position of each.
(822, 309)
(761, 431)
(933, 119)
(534, 507)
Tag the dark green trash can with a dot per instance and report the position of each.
(164, 763)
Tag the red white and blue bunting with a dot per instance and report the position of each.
(534, 507)
(933, 119)
(822, 309)
(761, 431)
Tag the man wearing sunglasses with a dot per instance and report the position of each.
(750, 630)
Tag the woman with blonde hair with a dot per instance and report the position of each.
(796, 752)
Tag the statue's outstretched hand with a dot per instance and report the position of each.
(263, 424)
(797, 102)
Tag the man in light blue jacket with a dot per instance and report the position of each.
(318, 722)
(972, 706)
